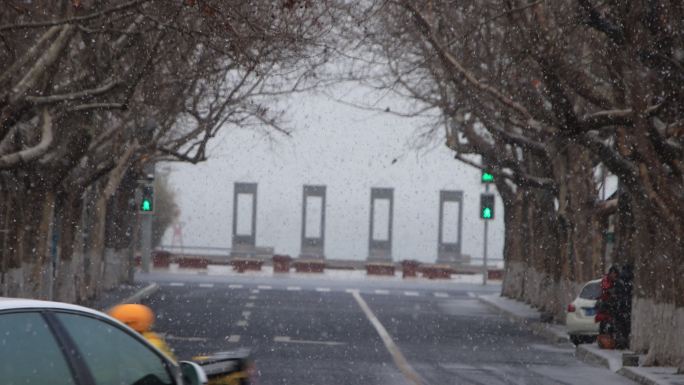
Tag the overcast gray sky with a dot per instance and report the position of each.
(349, 150)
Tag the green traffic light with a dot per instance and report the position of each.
(487, 177)
(487, 213)
(146, 205)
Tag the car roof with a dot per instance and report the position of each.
(593, 281)
(23, 303)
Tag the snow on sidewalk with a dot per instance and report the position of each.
(522, 312)
(590, 353)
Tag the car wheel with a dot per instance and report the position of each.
(576, 340)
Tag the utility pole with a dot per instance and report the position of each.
(487, 214)
(484, 257)
(146, 209)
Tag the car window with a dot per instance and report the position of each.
(113, 356)
(29, 354)
(591, 291)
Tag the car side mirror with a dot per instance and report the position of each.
(193, 374)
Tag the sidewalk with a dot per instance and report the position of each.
(527, 315)
(590, 353)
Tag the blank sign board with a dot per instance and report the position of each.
(314, 208)
(381, 218)
(450, 231)
(244, 214)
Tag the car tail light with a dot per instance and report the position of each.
(571, 308)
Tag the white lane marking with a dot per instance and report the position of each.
(441, 295)
(242, 323)
(381, 291)
(411, 293)
(234, 286)
(233, 338)
(206, 285)
(191, 339)
(246, 314)
(177, 284)
(286, 339)
(249, 304)
(294, 288)
(351, 290)
(255, 291)
(252, 297)
(471, 294)
(399, 359)
(264, 287)
(323, 289)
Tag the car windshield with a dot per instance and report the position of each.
(591, 291)
(350, 191)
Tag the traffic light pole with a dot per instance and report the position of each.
(484, 257)
(146, 239)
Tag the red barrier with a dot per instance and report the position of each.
(241, 265)
(313, 266)
(380, 269)
(281, 263)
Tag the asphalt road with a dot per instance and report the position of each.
(361, 332)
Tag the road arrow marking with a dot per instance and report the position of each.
(233, 338)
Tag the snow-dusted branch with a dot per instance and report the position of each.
(32, 153)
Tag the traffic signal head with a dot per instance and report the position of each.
(487, 177)
(147, 201)
(487, 206)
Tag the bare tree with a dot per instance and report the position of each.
(545, 92)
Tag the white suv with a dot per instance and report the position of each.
(580, 314)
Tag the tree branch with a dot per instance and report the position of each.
(85, 94)
(30, 154)
(40, 24)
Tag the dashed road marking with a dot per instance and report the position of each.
(264, 287)
(441, 295)
(191, 339)
(252, 297)
(234, 286)
(287, 339)
(323, 289)
(399, 359)
(471, 294)
(381, 291)
(294, 288)
(411, 293)
(246, 314)
(351, 290)
(233, 338)
(177, 284)
(206, 285)
(242, 322)
(255, 291)
(249, 304)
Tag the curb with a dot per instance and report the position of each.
(640, 375)
(544, 330)
(634, 374)
(589, 356)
